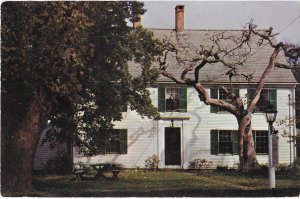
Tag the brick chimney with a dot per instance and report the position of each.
(179, 18)
(137, 21)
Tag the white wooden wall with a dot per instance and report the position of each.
(146, 136)
(44, 153)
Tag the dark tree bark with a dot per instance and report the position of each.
(19, 150)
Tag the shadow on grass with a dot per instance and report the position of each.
(290, 192)
(162, 184)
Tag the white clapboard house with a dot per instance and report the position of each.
(189, 129)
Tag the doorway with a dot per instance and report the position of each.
(172, 146)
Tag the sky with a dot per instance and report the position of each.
(283, 16)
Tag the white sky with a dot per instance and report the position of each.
(283, 16)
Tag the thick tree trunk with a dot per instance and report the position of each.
(20, 147)
(248, 161)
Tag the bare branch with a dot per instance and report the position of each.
(186, 70)
(204, 96)
(177, 80)
(263, 78)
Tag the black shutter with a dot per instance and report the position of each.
(235, 142)
(250, 95)
(214, 94)
(237, 91)
(273, 97)
(182, 100)
(161, 99)
(214, 142)
(123, 141)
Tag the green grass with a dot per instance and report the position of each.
(166, 183)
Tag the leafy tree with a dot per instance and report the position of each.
(231, 51)
(68, 62)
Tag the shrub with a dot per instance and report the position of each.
(152, 162)
(61, 164)
(200, 164)
(222, 168)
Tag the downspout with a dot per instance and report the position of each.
(157, 137)
(290, 128)
(182, 147)
(294, 122)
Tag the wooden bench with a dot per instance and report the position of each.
(102, 168)
(100, 173)
(115, 173)
(79, 173)
(79, 170)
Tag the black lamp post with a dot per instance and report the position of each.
(271, 114)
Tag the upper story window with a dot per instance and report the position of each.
(217, 93)
(124, 108)
(267, 97)
(172, 99)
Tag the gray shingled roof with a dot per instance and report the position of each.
(215, 74)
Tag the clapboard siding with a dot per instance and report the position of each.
(146, 136)
(141, 136)
(45, 153)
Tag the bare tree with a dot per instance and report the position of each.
(231, 51)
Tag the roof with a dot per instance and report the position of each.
(215, 73)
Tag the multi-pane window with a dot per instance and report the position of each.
(172, 99)
(224, 142)
(261, 141)
(124, 108)
(114, 141)
(227, 142)
(267, 97)
(217, 93)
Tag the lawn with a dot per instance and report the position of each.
(165, 183)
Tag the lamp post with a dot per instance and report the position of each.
(271, 114)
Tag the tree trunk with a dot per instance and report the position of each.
(248, 161)
(20, 147)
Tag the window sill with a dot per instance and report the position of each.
(174, 116)
(222, 112)
(114, 154)
(258, 113)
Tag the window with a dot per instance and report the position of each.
(227, 142)
(172, 99)
(260, 142)
(124, 108)
(224, 142)
(114, 142)
(267, 97)
(217, 93)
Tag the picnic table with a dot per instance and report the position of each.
(79, 169)
(105, 167)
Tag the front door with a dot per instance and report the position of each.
(172, 146)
